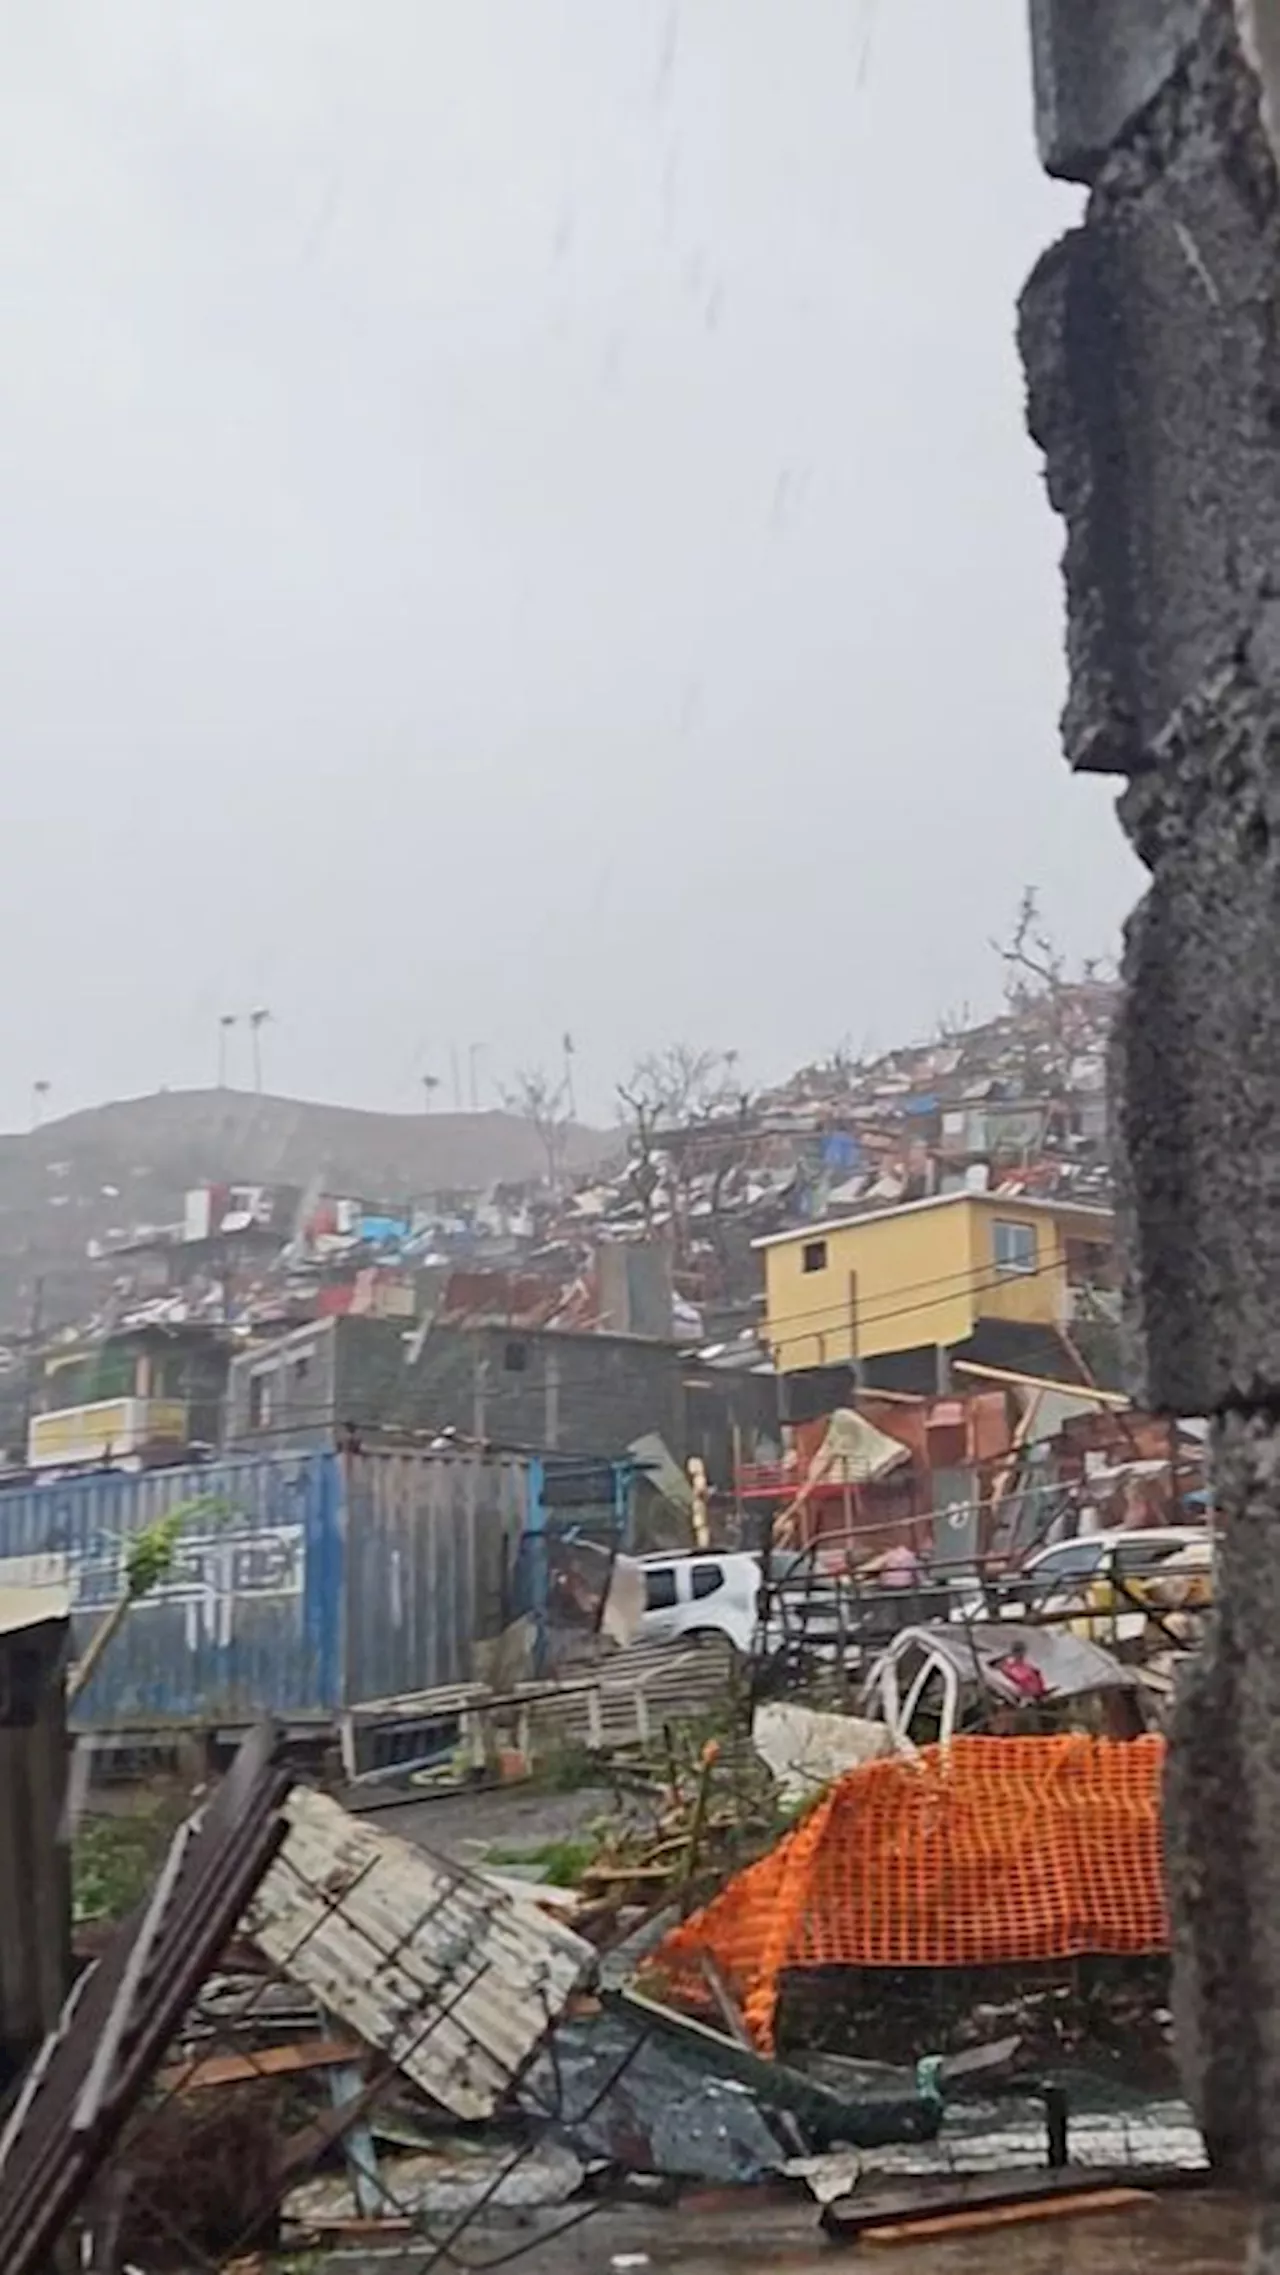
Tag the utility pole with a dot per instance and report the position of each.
(455, 1071)
(225, 1024)
(570, 1100)
(35, 1326)
(257, 1021)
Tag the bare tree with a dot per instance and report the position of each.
(1040, 993)
(687, 1106)
(1032, 960)
(681, 1084)
(543, 1101)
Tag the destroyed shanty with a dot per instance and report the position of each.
(532, 1759)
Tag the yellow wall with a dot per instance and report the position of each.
(1037, 1298)
(925, 1276)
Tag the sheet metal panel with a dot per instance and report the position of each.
(303, 1582)
(246, 1621)
(431, 1545)
(456, 1980)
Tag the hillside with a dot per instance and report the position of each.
(114, 1167)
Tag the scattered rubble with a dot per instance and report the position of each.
(402, 2047)
(804, 1749)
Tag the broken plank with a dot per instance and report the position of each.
(270, 2062)
(984, 2216)
(853, 2219)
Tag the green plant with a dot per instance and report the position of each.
(151, 1553)
(148, 1560)
(560, 1863)
(569, 1768)
(114, 1860)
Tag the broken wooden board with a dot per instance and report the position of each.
(205, 2071)
(980, 2217)
(855, 2219)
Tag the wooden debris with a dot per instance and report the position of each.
(933, 2206)
(270, 2062)
(1010, 2215)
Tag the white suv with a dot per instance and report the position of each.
(709, 1590)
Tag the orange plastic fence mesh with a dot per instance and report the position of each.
(1001, 1849)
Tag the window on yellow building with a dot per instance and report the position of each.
(814, 1258)
(1013, 1246)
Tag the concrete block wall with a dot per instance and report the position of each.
(1151, 341)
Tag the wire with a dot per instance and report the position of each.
(966, 1273)
(944, 1279)
(853, 1315)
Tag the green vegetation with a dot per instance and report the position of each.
(568, 1767)
(115, 1859)
(560, 1863)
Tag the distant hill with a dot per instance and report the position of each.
(114, 1167)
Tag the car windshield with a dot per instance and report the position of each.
(1068, 1561)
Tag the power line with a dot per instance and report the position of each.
(974, 1280)
(846, 1314)
(964, 1277)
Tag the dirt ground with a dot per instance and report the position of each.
(1182, 2235)
(466, 1826)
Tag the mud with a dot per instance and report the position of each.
(1196, 2235)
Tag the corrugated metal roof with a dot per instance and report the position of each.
(456, 1981)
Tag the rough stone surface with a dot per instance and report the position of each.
(1151, 338)
(1197, 1061)
(1153, 365)
(1222, 1809)
(1097, 64)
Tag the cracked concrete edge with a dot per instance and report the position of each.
(1222, 1826)
(1096, 64)
(1258, 22)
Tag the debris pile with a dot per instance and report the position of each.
(656, 1242)
(987, 1852)
(313, 2033)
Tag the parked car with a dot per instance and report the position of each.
(708, 1592)
(1113, 1575)
(932, 1683)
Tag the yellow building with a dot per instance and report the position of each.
(930, 1277)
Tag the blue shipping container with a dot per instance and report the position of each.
(302, 1582)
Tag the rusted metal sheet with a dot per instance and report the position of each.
(123, 2013)
(454, 1980)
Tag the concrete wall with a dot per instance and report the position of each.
(888, 1282)
(1151, 340)
(570, 1393)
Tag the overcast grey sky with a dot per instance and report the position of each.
(516, 517)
